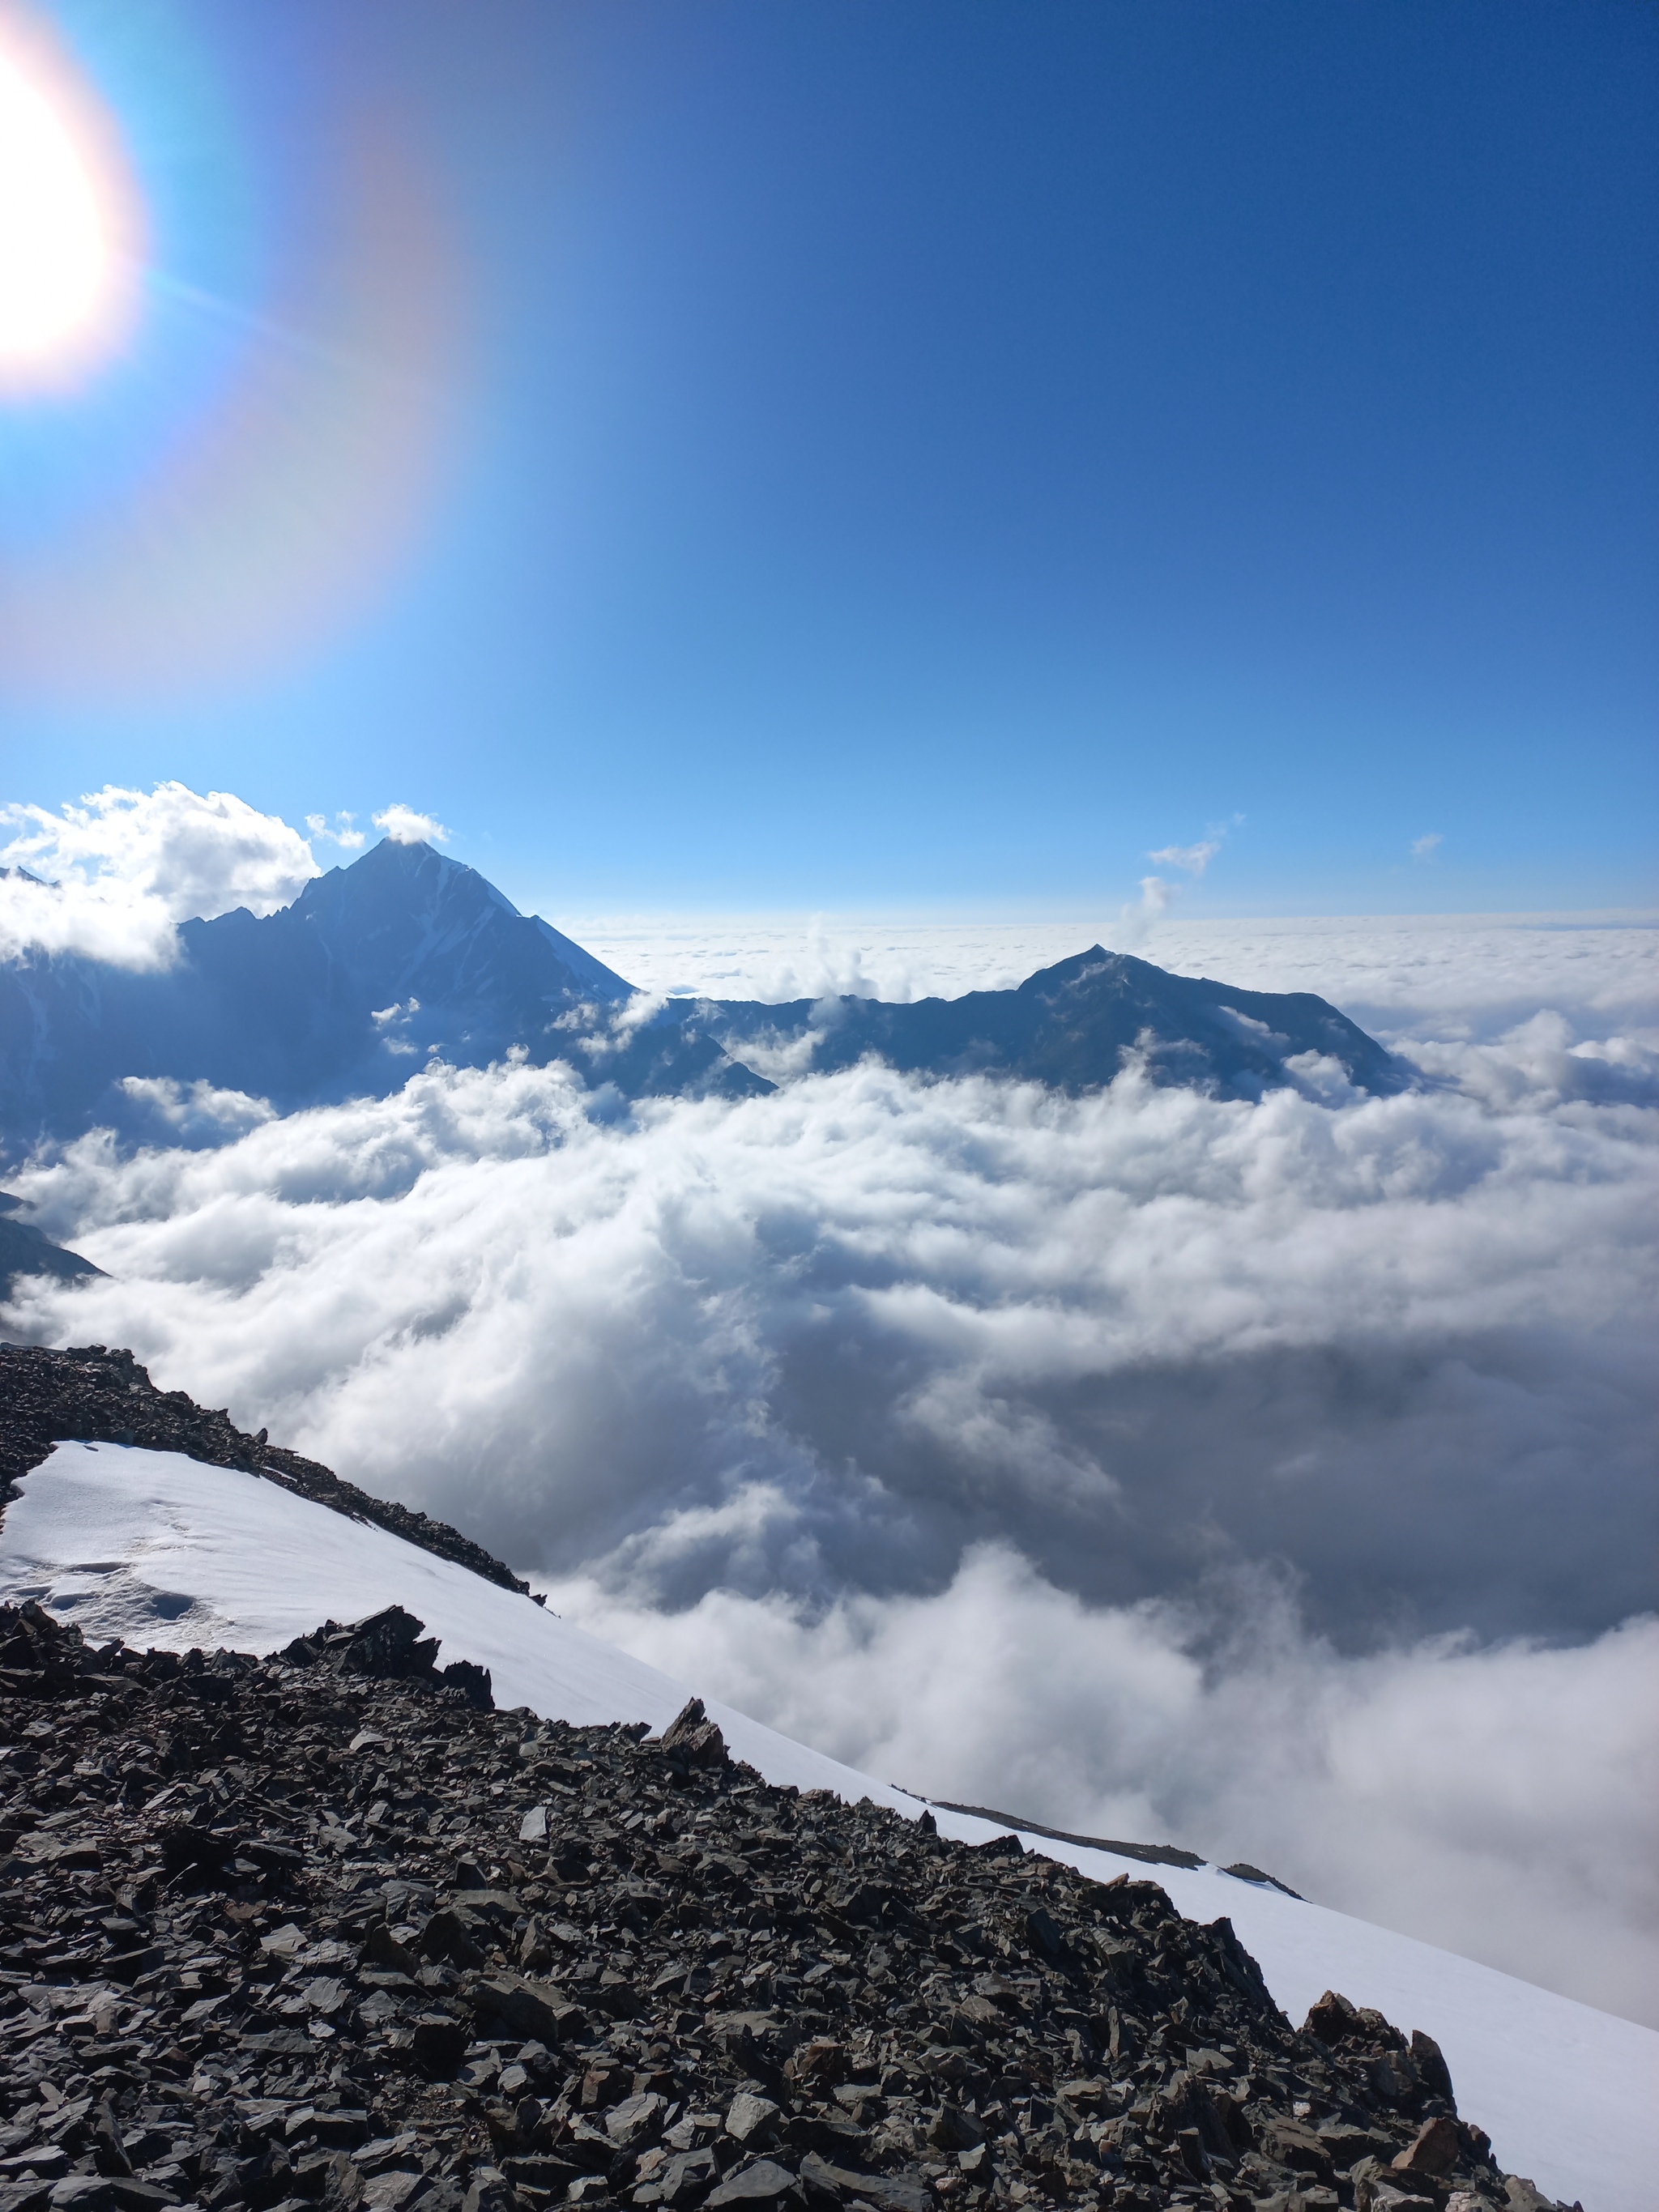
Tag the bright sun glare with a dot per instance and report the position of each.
(64, 278)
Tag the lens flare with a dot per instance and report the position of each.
(67, 266)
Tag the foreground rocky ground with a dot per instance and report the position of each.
(324, 1930)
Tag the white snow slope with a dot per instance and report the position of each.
(163, 1551)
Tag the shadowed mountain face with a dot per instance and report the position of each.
(405, 954)
(28, 1251)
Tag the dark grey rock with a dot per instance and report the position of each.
(762, 1997)
(763, 2181)
(887, 2192)
(752, 2121)
(693, 1737)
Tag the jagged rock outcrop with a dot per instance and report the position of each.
(328, 1934)
(389, 1647)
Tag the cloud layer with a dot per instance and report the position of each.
(1270, 1478)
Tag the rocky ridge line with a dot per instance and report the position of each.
(290, 1935)
(105, 1397)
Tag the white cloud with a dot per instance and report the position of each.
(829, 965)
(163, 1111)
(111, 877)
(405, 827)
(1422, 848)
(1193, 859)
(1134, 923)
(1194, 1469)
(344, 834)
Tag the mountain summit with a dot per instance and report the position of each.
(374, 966)
(1072, 1025)
(406, 954)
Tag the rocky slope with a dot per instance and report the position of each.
(322, 1930)
(107, 1397)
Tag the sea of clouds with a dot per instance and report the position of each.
(1276, 1480)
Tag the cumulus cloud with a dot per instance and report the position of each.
(111, 877)
(405, 827)
(163, 1111)
(1141, 1332)
(1169, 1466)
(1424, 849)
(1539, 1064)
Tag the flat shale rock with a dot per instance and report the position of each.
(280, 1935)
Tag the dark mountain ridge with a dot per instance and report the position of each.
(27, 1250)
(406, 954)
(1071, 1026)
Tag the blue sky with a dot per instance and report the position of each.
(733, 455)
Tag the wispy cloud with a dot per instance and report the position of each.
(1424, 849)
(1135, 921)
(1192, 859)
(344, 834)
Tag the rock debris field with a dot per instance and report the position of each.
(325, 1930)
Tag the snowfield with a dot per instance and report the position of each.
(161, 1550)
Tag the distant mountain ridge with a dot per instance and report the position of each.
(1071, 1026)
(407, 954)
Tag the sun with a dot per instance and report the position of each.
(67, 267)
